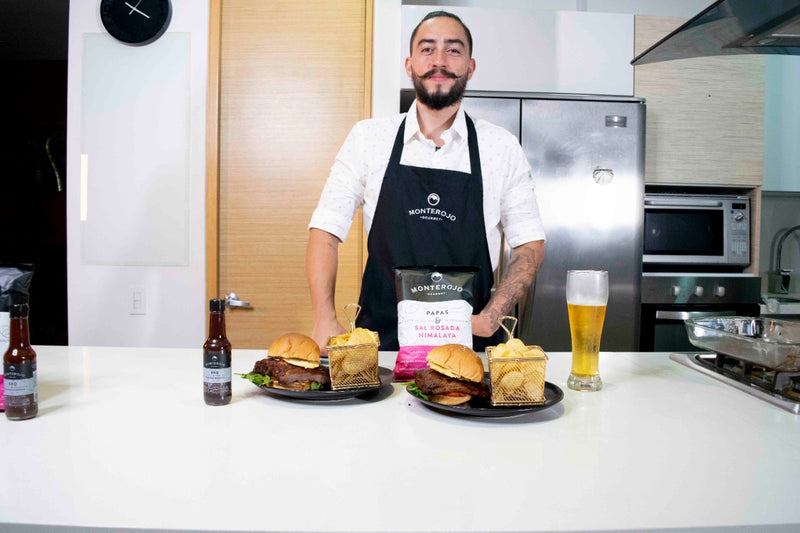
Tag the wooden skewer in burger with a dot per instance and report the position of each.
(455, 375)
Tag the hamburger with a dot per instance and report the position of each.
(293, 363)
(454, 376)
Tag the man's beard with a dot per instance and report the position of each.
(439, 100)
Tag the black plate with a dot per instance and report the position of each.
(478, 407)
(384, 374)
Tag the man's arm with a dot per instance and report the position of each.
(322, 260)
(522, 267)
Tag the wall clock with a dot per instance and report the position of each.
(136, 22)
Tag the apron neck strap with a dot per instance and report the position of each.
(472, 142)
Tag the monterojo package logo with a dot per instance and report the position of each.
(437, 286)
(432, 212)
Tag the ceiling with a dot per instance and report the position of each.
(34, 30)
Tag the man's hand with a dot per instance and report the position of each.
(483, 326)
(525, 261)
(324, 331)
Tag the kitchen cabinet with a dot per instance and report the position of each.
(705, 116)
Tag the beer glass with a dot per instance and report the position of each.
(587, 296)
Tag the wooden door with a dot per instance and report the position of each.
(292, 79)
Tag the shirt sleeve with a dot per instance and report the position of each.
(343, 193)
(519, 210)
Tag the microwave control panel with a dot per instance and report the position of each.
(739, 227)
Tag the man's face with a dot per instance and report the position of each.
(440, 62)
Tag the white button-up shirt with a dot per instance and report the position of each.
(509, 201)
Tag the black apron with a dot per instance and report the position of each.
(424, 216)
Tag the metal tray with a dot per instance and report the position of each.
(768, 342)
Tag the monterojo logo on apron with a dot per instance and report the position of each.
(432, 213)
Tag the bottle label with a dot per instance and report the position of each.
(216, 367)
(20, 379)
(217, 375)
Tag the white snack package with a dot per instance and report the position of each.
(434, 307)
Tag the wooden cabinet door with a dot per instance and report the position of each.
(292, 79)
(705, 115)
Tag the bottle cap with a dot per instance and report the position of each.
(19, 311)
(216, 305)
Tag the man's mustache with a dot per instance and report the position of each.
(437, 71)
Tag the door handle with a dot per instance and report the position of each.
(683, 315)
(232, 300)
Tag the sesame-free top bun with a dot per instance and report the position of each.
(296, 349)
(456, 361)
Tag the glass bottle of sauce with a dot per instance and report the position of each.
(19, 367)
(216, 357)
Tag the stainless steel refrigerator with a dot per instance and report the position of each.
(587, 157)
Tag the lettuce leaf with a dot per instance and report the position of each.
(258, 379)
(414, 390)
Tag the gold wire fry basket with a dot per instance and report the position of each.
(353, 366)
(516, 380)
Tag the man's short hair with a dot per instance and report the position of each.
(434, 14)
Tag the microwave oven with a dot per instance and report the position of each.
(696, 229)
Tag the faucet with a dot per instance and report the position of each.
(784, 275)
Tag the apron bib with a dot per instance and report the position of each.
(424, 216)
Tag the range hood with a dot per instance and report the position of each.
(732, 27)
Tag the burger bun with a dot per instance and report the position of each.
(296, 349)
(450, 399)
(456, 361)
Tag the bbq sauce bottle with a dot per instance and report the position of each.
(216, 357)
(19, 367)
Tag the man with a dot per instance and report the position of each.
(475, 173)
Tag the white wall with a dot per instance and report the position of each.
(540, 51)
(388, 45)
(136, 182)
(782, 124)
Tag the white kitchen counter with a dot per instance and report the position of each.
(124, 440)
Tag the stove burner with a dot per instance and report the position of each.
(778, 388)
(764, 378)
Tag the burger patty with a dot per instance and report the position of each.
(432, 382)
(290, 375)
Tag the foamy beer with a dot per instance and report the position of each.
(587, 296)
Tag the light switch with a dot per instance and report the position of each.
(138, 301)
